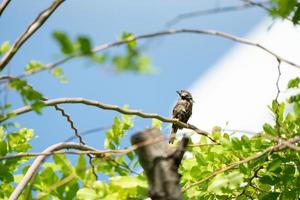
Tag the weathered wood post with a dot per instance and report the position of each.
(160, 163)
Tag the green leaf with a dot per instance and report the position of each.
(58, 73)
(116, 133)
(129, 37)
(33, 66)
(274, 165)
(3, 144)
(132, 187)
(86, 194)
(283, 8)
(28, 94)
(3, 147)
(267, 180)
(271, 196)
(156, 123)
(64, 42)
(269, 129)
(294, 98)
(236, 143)
(101, 188)
(18, 141)
(81, 166)
(246, 141)
(294, 83)
(85, 45)
(5, 174)
(296, 17)
(5, 46)
(99, 58)
(64, 164)
(229, 181)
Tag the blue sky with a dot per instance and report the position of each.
(180, 60)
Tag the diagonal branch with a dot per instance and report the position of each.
(277, 147)
(158, 34)
(37, 162)
(245, 5)
(34, 26)
(104, 106)
(3, 5)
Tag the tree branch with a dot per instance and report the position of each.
(224, 9)
(157, 34)
(3, 5)
(277, 147)
(37, 162)
(100, 153)
(34, 26)
(104, 106)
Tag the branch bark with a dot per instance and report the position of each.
(161, 164)
(38, 161)
(104, 106)
(3, 5)
(34, 26)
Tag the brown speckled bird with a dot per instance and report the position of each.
(182, 111)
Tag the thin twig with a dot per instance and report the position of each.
(224, 9)
(157, 34)
(3, 5)
(104, 106)
(276, 147)
(76, 132)
(277, 123)
(34, 26)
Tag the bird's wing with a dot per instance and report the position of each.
(178, 110)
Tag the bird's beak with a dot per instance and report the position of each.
(178, 92)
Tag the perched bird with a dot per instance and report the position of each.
(182, 111)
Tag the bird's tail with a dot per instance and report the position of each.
(173, 134)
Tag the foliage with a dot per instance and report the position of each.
(5, 46)
(286, 9)
(274, 175)
(14, 142)
(131, 61)
(29, 95)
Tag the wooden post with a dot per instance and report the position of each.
(161, 164)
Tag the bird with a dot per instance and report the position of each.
(181, 111)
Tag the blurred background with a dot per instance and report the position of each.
(232, 84)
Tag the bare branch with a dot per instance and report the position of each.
(162, 33)
(224, 9)
(277, 147)
(34, 26)
(100, 153)
(104, 106)
(37, 162)
(3, 5)
(282, 141)
(97, 153)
